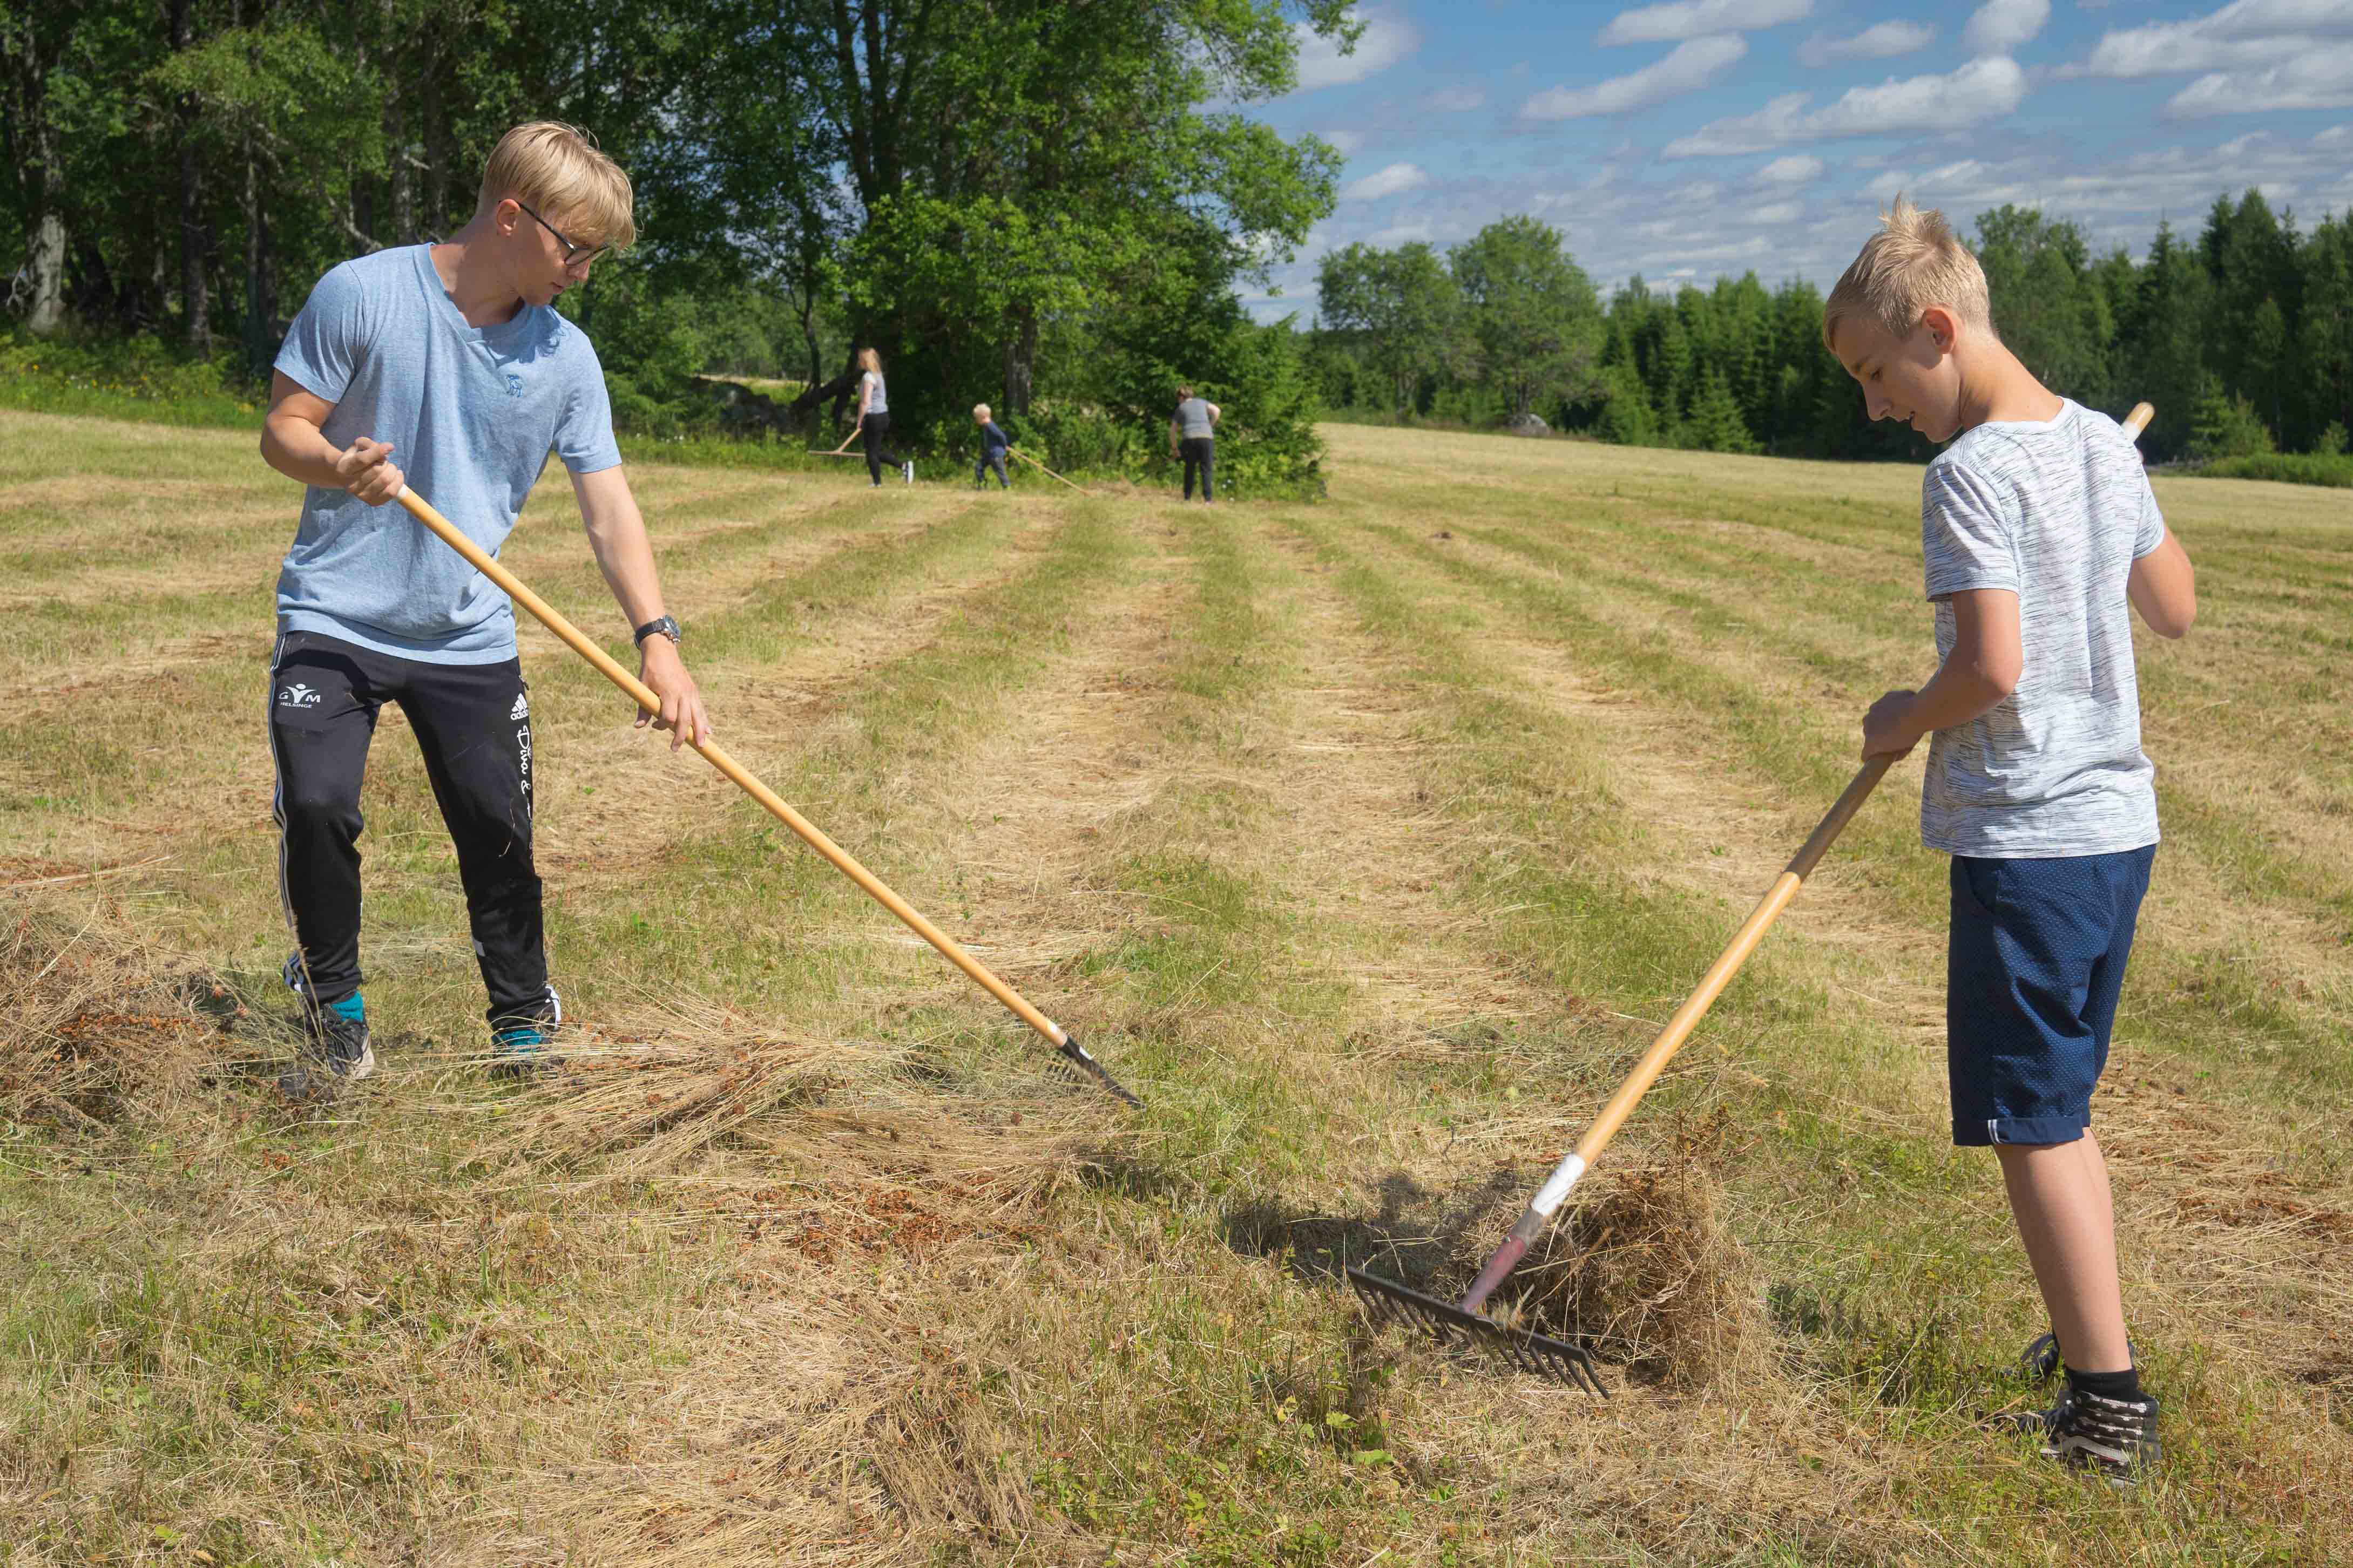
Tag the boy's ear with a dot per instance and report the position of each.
(1944, 327)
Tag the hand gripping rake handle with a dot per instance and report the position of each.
(643, 695)
(1671, 1038)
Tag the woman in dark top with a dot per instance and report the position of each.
(1190, 437)
(874, 421)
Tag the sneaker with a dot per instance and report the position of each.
(2115, 1438)
(334, 1054)
(908, 468)
(522, 1051)
(2026, 1423)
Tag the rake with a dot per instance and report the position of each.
(1530, 1351)
(1043, 468)
(1464, 1322)
(643, 695)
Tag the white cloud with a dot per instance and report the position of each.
(1774, 212)
(1621, 217)
(1981, 90)
(2245, 32)
(1386, 41)
(1794, 171)
(1395, 180)
(1690, 67)
(1345, 142)
(2322, 81)
(1455, 100)
(1885, 41)
(1697, 18)
(2003, 26)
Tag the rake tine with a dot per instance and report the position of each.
(1390, 1304)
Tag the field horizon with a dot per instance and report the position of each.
(1366, 840)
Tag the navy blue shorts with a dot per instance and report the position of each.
(2037, 961)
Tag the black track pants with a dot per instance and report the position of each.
(473, 724)
(1200, 452)
(876, 429)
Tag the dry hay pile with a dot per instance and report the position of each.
(1642, 1269)
(95, 1020)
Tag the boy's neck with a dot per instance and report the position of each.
(1995, 386)
(472, 279)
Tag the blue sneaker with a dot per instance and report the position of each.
(522, 1051)
(335, 1052)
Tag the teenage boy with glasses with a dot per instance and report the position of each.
(452, 356)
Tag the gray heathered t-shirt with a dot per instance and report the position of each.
(2056, 512)
(1192, 419)
(471, 414)
(877, 400)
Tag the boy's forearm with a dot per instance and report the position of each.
(1959, 691)
(301, 450)
(625, 555)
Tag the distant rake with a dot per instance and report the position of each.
(1462, 1323)
(643, 695)
(1044, 470)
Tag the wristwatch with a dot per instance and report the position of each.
(665, 625)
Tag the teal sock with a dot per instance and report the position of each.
(350, 1009)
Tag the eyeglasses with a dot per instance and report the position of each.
(573, 255)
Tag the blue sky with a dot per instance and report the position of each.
(1686, 140)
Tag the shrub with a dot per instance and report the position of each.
(2330, 469)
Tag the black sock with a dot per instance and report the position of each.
(2119, 1385)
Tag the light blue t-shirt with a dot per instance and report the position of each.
(2056, 512)
(471, 414)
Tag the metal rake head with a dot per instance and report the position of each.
(1556, 1360)
(1085, 1061)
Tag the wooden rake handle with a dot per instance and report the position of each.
(841, 858)
(1042, 468)
(1670, 1039)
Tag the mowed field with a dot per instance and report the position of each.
(1365, 840)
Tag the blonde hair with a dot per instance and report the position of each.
(869, 359)
(1913, 262)
(980, 411)
(558, 170)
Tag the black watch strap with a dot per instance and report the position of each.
(665, 625)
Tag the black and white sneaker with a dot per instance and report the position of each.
(2115, 1438)
(908, 468)
(336, 1054)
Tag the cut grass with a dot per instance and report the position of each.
(1363, 854)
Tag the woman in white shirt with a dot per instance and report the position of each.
(874, 421)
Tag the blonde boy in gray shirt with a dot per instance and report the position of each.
(2039, 530)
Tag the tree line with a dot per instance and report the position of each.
(2243, 339)
(1042, 204)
